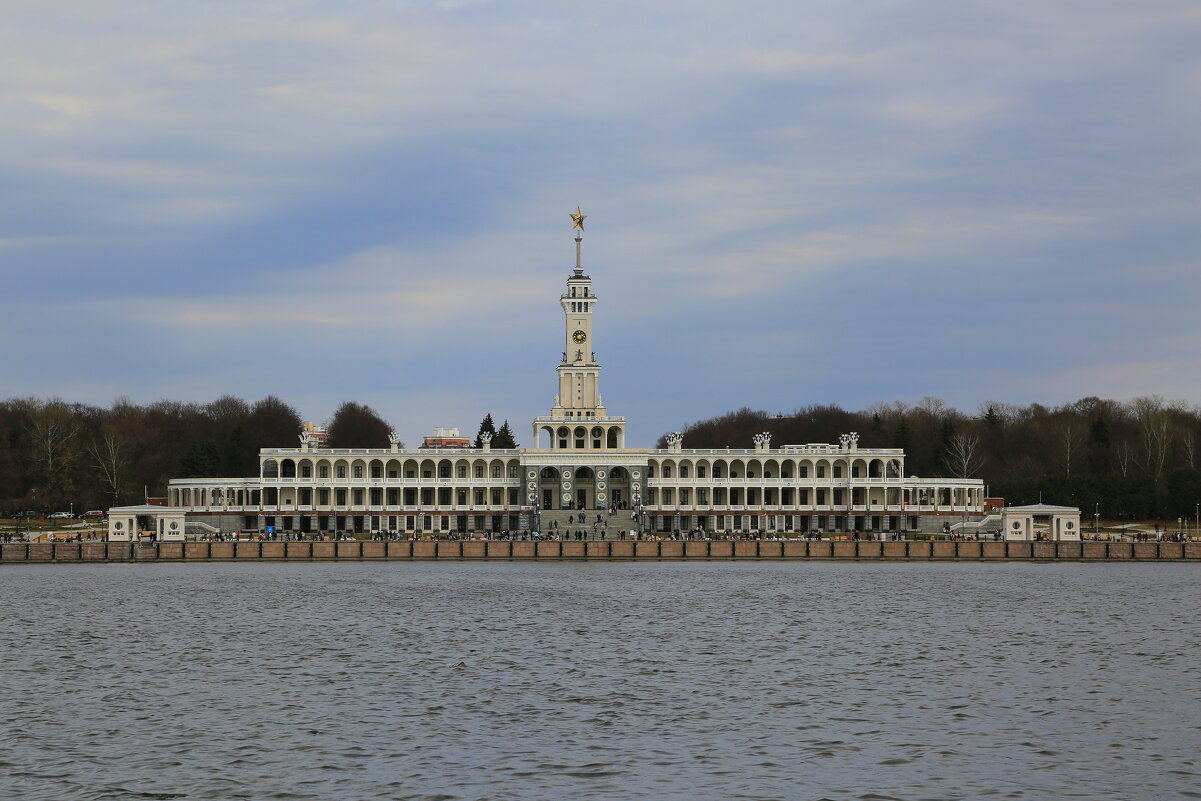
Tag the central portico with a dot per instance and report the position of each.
(584, 464)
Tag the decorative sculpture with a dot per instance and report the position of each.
(394, 438)
(674, 439)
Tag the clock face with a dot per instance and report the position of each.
(579, 336)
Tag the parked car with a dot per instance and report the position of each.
(60, 516)
(93, 513)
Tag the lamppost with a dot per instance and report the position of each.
(1097, 518)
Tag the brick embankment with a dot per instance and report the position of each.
(428, 550)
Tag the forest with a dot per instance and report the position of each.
(55, 454)
(1126, 460)
(1133, 460)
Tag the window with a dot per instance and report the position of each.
(683, 471)
(804, 471)
(341, 471)
(377, 471)
(358, 471)
(838, 471)
(667, 471)
(513, 471)
(358, 497)
(323, 471)
(444, 471)
(838, 497)
(496, 471)
(479, 471)
(700, 471)
(821, 471)
(306, 471)
(462, 471)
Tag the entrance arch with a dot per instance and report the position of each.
(585, 488)
(548, 489)
(619, 488)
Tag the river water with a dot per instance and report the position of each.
(509, 680)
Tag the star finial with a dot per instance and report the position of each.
(577, 219)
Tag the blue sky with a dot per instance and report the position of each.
(789, 203)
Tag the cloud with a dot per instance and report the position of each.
(381, 189)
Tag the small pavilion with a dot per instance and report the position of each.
(1055, 522)
(149, 522)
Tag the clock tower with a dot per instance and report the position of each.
(579, 420)
(579, 374)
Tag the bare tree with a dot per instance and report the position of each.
(1188, 444)
(1125, 456)
(1071, 440)
(52, 436)
(963, 455)
(1155, 430)
(110, 458)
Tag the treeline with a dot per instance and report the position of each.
(1135, 460)
(54, 453)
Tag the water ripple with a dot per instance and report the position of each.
(665, 681)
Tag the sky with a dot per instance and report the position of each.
(788, 203)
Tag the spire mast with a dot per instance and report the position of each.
(577, 224)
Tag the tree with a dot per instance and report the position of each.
(504, 437)
(272, 424)
(1069, 445)
(486, 427)
(962, 455)
(110, 458)
(200, 461)
(53, 431)
(358, 426)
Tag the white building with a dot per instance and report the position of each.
(581, 462)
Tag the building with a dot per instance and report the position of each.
(446, 438)
(580, 462)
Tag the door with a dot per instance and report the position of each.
(581, 499)
(548, 499)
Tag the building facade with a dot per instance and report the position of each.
(580, 462)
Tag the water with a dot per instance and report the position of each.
(600, 681)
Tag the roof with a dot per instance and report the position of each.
(1043, 508)
(147, 508)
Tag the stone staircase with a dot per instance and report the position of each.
(610, 527)
(988, 523)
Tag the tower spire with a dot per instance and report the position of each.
(577, 224)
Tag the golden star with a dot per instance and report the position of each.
(577, 219)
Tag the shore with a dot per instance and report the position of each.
(604, 550)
